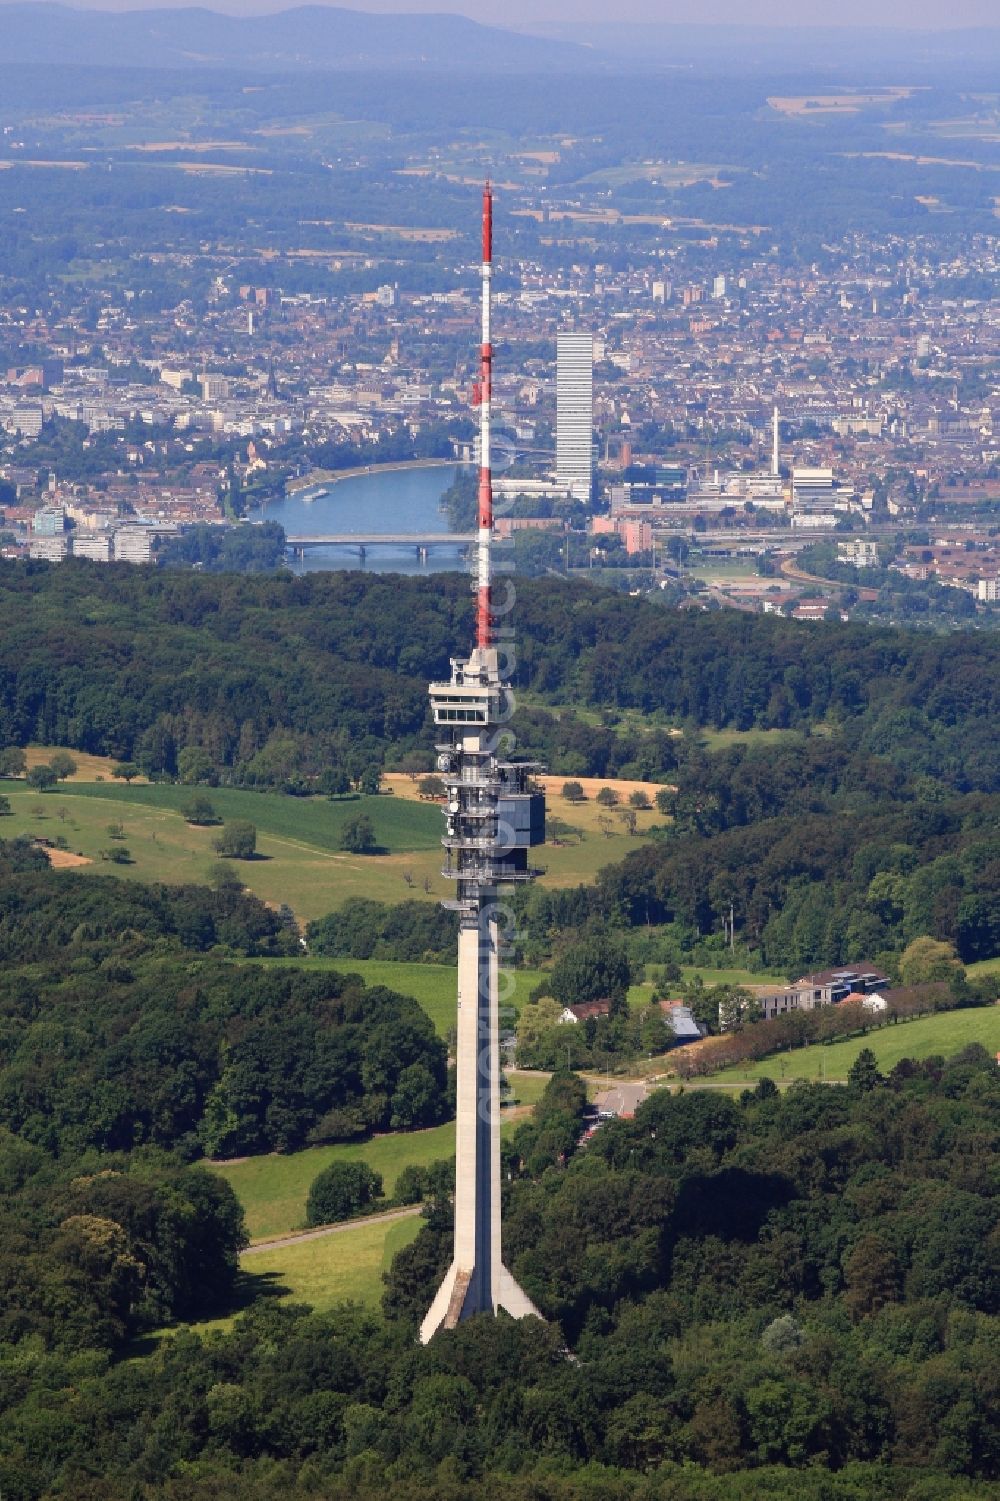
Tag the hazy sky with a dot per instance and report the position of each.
(903, 13)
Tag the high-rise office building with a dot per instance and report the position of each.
(575, 413)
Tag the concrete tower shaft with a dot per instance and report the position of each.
(494, 815)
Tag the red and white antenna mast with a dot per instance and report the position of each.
(484, 617)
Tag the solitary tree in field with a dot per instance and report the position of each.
(573, 792)
(125, 771)
(199, 810)
(236, 841)
(927, 959)
(62, 764)
(639, 800)
(608, 797)
(340, 1190)
(13, 761)
(358, 835)
(117, 854)
(42, 777)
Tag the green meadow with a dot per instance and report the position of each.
(944, 1033)
(434, 986)
(273, 1188)
(298, 860)
(346, 1266)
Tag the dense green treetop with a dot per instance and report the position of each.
(112, 1040)
(786, 1296)
(146, 665)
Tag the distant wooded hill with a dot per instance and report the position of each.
(309, 36)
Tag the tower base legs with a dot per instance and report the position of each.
(454, 1301)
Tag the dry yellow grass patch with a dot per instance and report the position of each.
(849, 102)
(88, 768)
(404, 785)
(190, 146)
(402, 232)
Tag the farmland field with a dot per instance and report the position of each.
(301, 862)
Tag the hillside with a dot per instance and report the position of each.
(305, 37)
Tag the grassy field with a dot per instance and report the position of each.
(716, 740)
(729, 976)
(983, 967)
(314, 821)
(298, 859)
(273, 1189)
(335, 1268)
(598, 836)
(641, 995)
(88, 768)
(528, 1087)
(300, 862)
(944, 1033)
(434, 986)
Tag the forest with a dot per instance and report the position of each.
(786, 1295)
(112, 1041)
(330, 670)
(790, 1295)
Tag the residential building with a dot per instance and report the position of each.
(584, 1011)
(214, 387)
(681, 1020)
(826, 988)
(860, 551)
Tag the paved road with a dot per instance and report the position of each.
(294, 1238)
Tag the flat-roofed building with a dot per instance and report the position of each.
(133, 544)
(93, 545)
(50, 549)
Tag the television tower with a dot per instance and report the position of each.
(493, 818)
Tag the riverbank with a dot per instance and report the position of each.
(334, 476)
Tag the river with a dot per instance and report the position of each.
(389, 500)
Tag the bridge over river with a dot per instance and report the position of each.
(360, 542)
